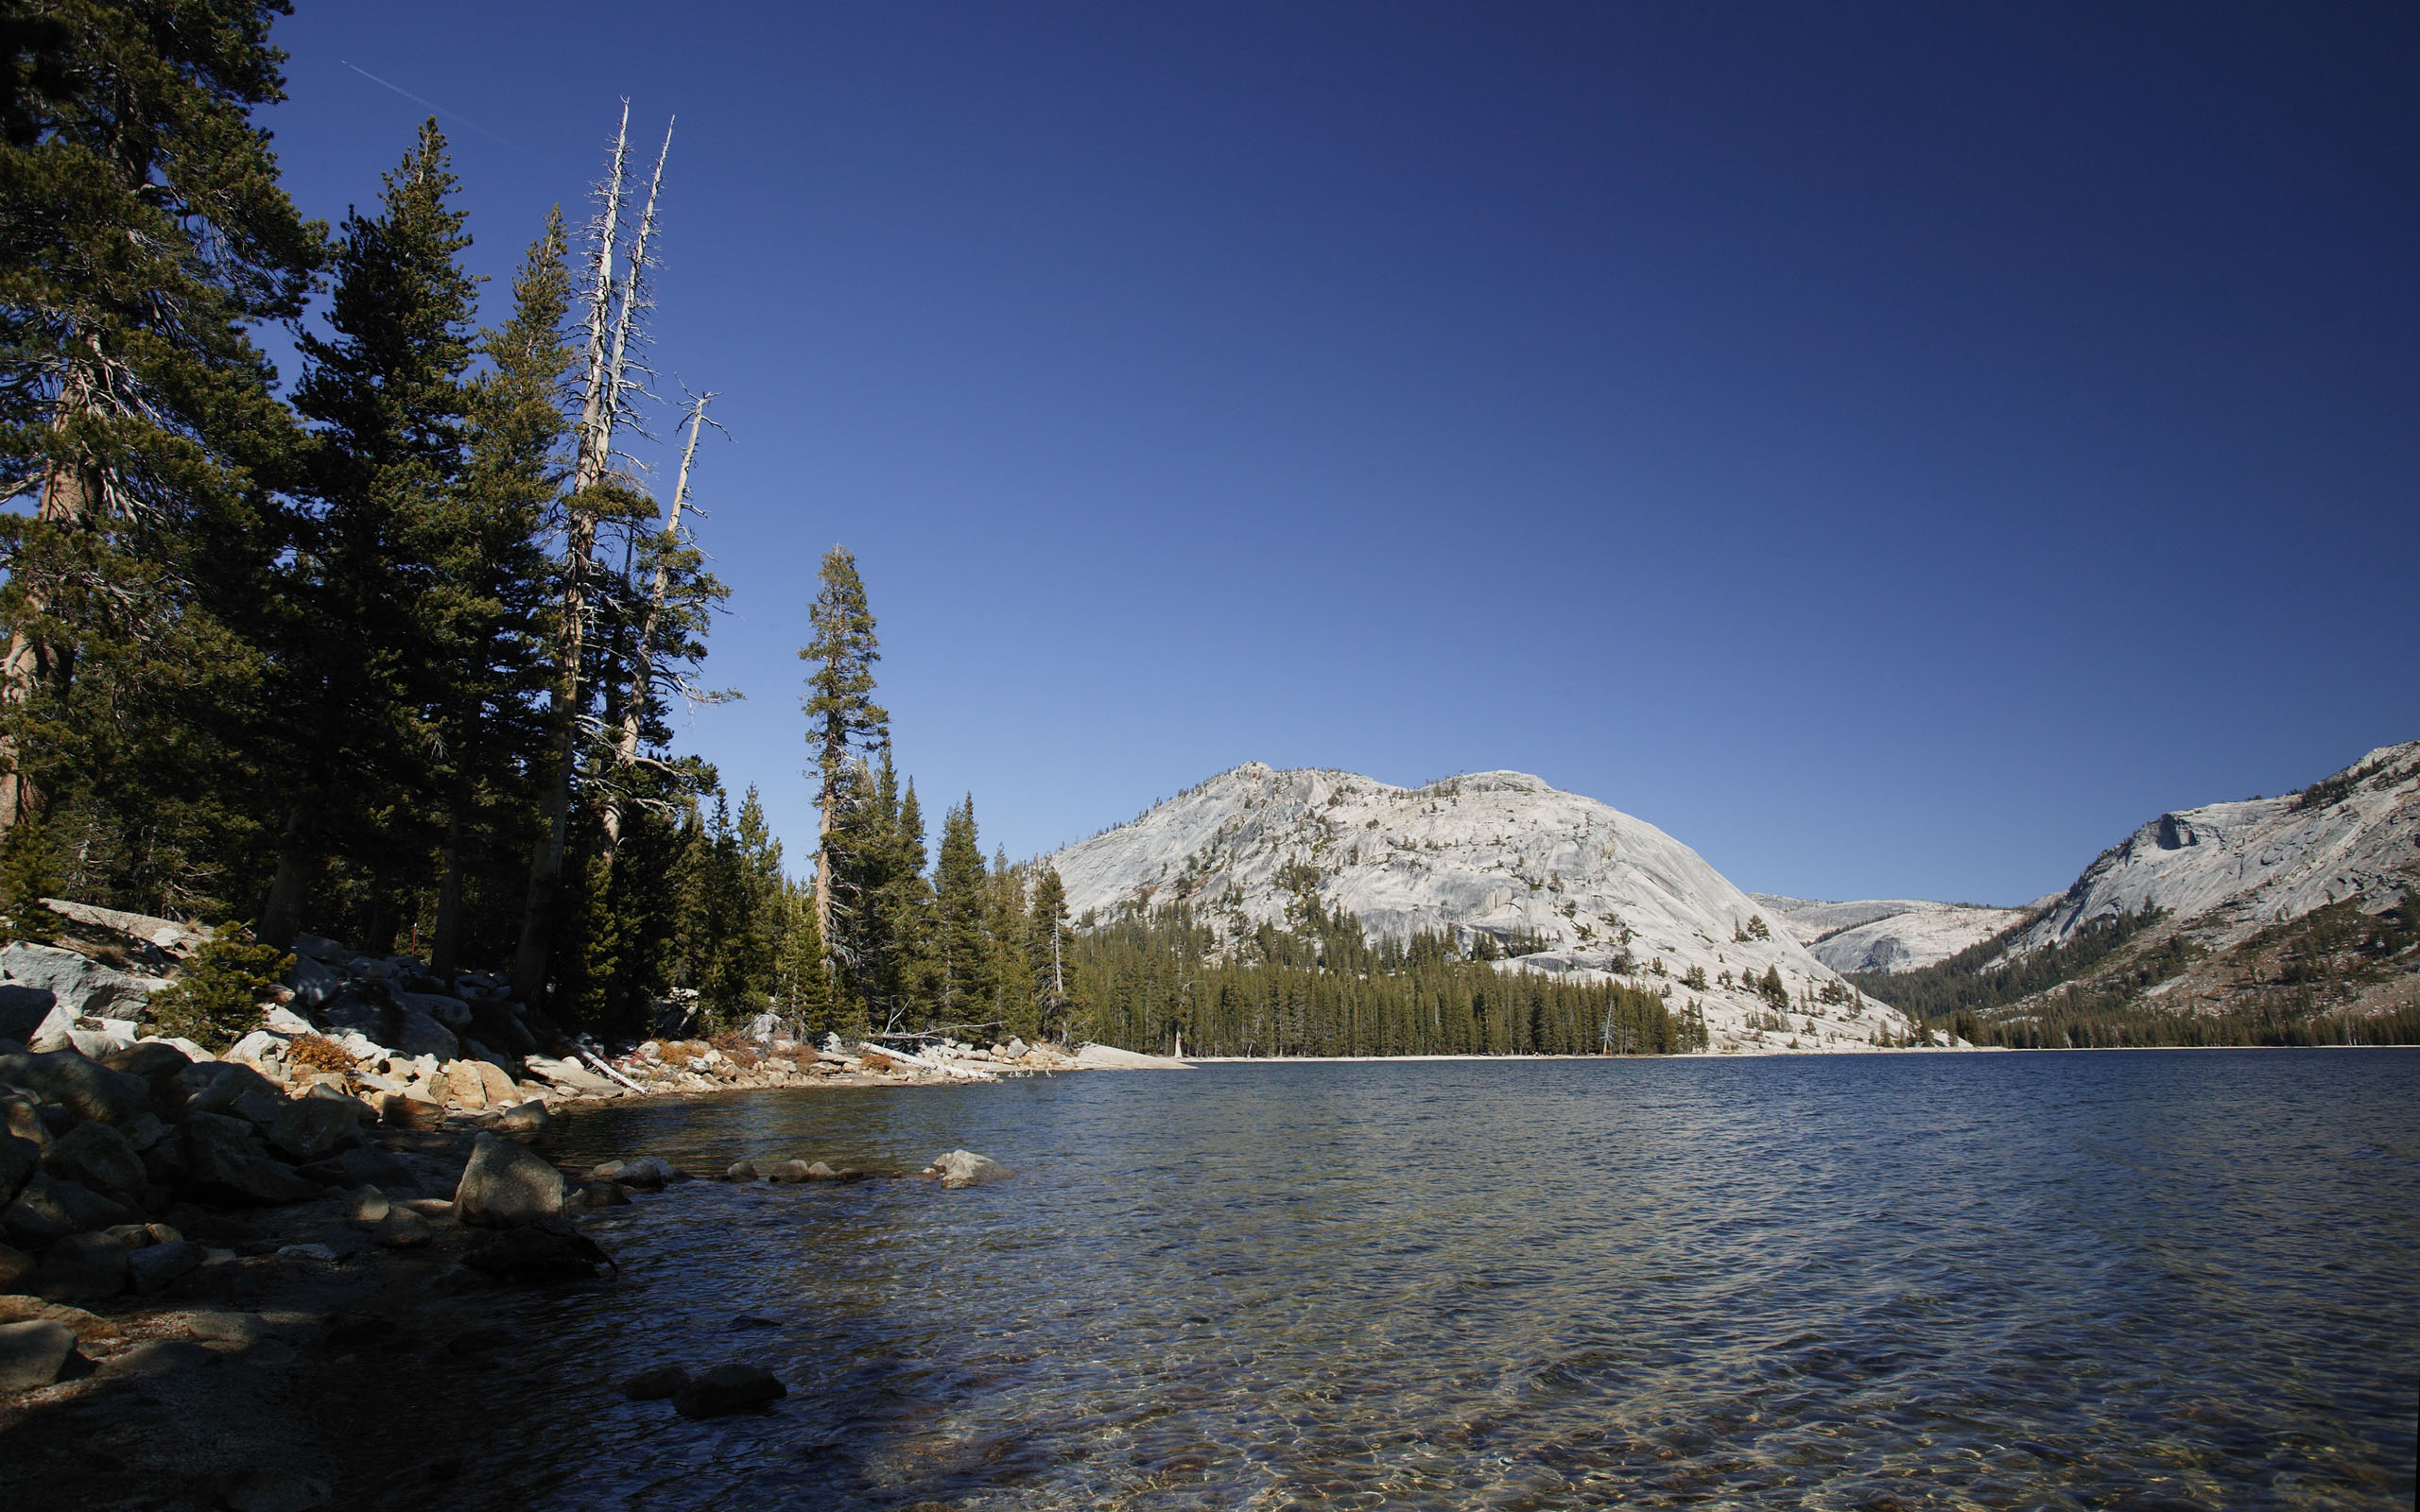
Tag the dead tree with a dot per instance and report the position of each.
(614, 299)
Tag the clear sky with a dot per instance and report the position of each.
(1895, 449)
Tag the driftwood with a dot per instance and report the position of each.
(911, 1058)
(599, 1063)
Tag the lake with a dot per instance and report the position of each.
(2151, 1280)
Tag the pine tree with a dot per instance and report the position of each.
(142, 231)
(1009, 929)
(362, 667)
(487, 609)
(843, 725)
(960, 950)
(1047, 945)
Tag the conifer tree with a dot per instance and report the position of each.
(1046, 947)
(959, 949)
(487, 609)
(142, 230)
(362, 671)
(843, 723)
(1008, 928)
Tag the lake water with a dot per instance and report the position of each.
(2158, 1280)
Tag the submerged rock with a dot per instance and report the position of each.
(740, 1171)
(544, 1250)
(727, 1389)
(964, 1168)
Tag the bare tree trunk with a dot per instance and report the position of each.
(594, 442)
(297, 869)
(73, 497)
(626, 743)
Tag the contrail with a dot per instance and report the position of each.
(431, 104)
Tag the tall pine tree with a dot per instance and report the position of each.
(364, 682)
(142, 231)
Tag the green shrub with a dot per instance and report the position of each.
(218, 1000)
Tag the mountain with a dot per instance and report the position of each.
(2275, 910)
(1564, 883)
(1889, 934)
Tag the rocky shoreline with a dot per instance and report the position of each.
(217, 1272)
(243, 1354)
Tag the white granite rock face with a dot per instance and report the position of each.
(2234, 868)
(1887, 934)
(1494, 852)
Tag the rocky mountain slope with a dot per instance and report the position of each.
(2232, 868)
(2288, 908)
(1887, 934)
(1570, 883)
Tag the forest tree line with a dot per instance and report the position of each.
(390, 648)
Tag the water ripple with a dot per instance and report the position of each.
(2160, 1280)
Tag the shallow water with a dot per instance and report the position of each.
(2146, 1280)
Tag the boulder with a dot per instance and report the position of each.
(34, 1354)
(48, 1209)
(450, 1012)
(366, 1207)
(82, 1268)
(313, 982)
(727, 1389)
(362, 1164)
(259, 1109)
(214, 1086)
(81, 985)
(402, 1228)
(655, 1385)
(964, 1168)
(572, 1075)
(495, 1082)
(546, 1248)
(258, 1046)
(99, 1156)
(157, 1062)
(525, 1121)
(15, 1265)
(740, 1171)
(106, 1036)
(85, 1086)
(19, 1160)
(154, 1266)
(495, 1023)
(603, 1194)
(821, 1172)
(417, 1034)
(790, 1172)
(24, 1009)
(159, 1357)
(463, 1085)
(20, 1116)
(311, 1128)
(225, 1163)
(647, 1174)
(504, 1184)
(320, 948)
(407, 1110)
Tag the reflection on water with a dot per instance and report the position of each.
(2151, 1279)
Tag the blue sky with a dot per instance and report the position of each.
(1896, 448)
